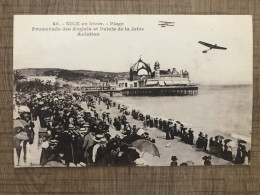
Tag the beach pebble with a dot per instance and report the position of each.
(168, 145)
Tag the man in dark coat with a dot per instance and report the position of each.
(66, 146)
(190, 137)
(175, 130)
(50, 153)
(160, 124)
(205, 142)
(171, 131)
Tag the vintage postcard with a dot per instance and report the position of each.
(132, 90)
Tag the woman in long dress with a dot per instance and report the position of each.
(18, 143)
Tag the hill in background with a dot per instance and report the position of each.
(74, 75)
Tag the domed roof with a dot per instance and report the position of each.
(140, 64)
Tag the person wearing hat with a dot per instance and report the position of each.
(218, 146)
(160, 122)
(66, 147)
(127, 129)
(207, 160)
(83, 131)
(133, 137)
(151, 122)
(117, 124)
(211, 144)
(171, 130)
(77, 143)
(30, 133)
(57, 118)
(156, 122)
(175, 132)
(190, 137)
(110, 121)
(71, 127)
(113, 149)
(227, 153)
(50, 153)
(166, 128)
(104, 116)
(241, 154)
(44, 116)
(86, 125)
(34, 114)
(45, 144)
(100, 154)
(183, 132)
(134, 128)
(199, 142)
(77, 123)
(205, 142)
(88, 142)
(174, 161)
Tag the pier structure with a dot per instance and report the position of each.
(150, 91)
(99, 91)
(161, 91)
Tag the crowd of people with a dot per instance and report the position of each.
(72, 135)
(214, 147)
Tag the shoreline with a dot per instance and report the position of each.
(167, 148)
(230, 132)
(234, 136)
(187, 152)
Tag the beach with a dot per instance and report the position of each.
(167, 148)
(216, 110)
(184, 152)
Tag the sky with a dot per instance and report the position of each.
(116, 51)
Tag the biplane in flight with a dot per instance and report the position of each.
(164, 23)
(211, 46)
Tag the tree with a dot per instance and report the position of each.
(49, 73)
(56, 85)
(18, 75)
(32, 86)
(38, 85)
(48, 85)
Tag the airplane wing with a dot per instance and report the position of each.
(217, 47)
(206, 44)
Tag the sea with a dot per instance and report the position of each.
(216, 110)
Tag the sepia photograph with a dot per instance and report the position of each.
(132, 90)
